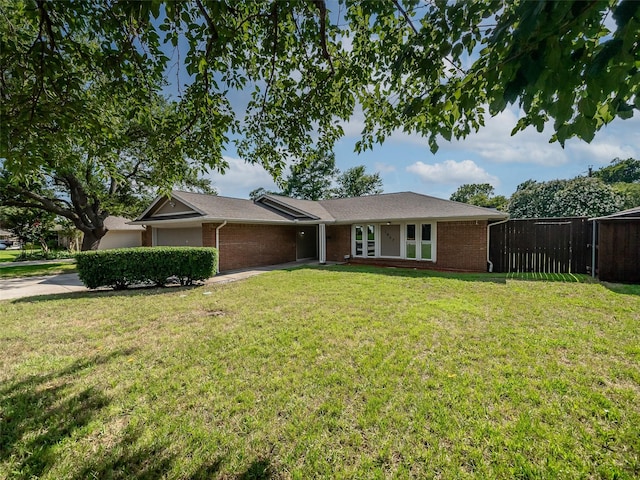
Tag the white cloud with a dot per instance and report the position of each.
(240, 178)
(495, 143)
(452, 172)
(384, 167)
(619, 139)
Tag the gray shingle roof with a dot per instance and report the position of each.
(114, 224)
(216, 207)
(373, 208)
(403, 206)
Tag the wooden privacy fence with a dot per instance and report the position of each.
(544, 245)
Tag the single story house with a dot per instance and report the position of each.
(618, 240)
(120, 234)
(400, 229)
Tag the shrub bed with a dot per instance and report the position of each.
(122, 267)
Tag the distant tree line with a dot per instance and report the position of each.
(607, 190)
(319, 179)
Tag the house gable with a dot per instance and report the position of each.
(284, 208)
(170, 208)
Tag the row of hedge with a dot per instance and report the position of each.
(119, 268)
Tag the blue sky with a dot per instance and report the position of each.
(405, 162)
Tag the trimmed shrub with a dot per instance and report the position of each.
(119, 268)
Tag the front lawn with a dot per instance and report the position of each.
(9, 255)
(54, 268)
(325, 373)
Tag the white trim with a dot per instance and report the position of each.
(322, 247)
(403, 242)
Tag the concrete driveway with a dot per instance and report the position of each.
(46, 285)
(12, 288)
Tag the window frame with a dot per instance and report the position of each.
(403, 240)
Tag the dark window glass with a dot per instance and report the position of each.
(411, 232)
(426, 232)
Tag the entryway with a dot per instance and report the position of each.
(307, 242)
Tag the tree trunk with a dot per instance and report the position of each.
(91, 240)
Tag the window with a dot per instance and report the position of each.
(358, 236)
(411, 241)
(371, 241)
(425, 242)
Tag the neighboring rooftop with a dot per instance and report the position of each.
(630, 214)
(120, 223)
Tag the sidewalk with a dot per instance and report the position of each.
(13, 288)
(36, 262)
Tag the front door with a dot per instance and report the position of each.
(306, 242)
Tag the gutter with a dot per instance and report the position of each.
(489, 238)
(218, 228)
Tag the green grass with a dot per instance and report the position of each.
(15, 271)
(325, 373)
(9, 255)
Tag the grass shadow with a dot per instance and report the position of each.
(623, 288)
(499, 278)
(258, 470)
(41, 411)
(101, 293)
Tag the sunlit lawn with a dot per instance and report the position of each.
(9, 255)
(334, 373)
(54, 268)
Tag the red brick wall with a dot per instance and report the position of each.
(243, 246)
(462, 246)
(209, 234)
(338, 242)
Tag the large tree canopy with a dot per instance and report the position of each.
(431, 68)
(580, 196)
(87, 177)
(480, 194)
(81, 83)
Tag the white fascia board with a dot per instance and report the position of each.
(149, 208)
(420, 219)
(159, 198)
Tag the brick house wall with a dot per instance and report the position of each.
(244, 245)
(338, 242)
(462, 246)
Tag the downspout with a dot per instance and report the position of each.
(218, 243)
(489, 225)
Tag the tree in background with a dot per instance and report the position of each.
(480, 194)
(355, 182)
(624, 177)
(87, 177)
(620, 171)
(31, 226)
(581, 196)
(320, 179)
(312, 179)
